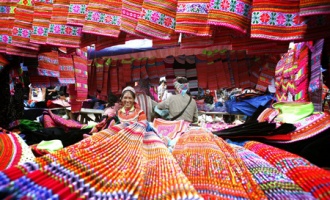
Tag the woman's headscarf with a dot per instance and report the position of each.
(128, 88)
(181, 87)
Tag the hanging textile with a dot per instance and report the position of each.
(170, 77)
(22, 27)
(143, 65)
(80, 66)
(161, 70)
(191, 17)
(59, 32)
(7, 17)
(127, 70)
(316, 80)
(157, 18)
(191, 74)
(193, 41)
(67, 75)
(277, 20)
(3, 62)
(232, 14)
(179, 66)
(41, 18)
(88, 39)
(212, 82)
(48, 64)
(201, 68)
(130, 14)
(171, 42)
(114, 77)
(105, 41)
(105, 79)
(103, 18)
(77, 12)
(136, 70)
(99, 64)
(244, 71)
(314, 7)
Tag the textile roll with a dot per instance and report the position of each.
(169, 62)
(41, 18)
(77, 12)
(59, 33)
(130, 14)
(232, 14)
(22, 28)
(277, 20)
(157, 18)
(48, 64)
(103, 18)
(191, 17)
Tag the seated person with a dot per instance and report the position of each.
(180, 102)
(129, 112)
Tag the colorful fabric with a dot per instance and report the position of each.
(41, 19)
(77, 12)
(66, 68)
(308, 8)
(157, 18)
(52, 120)
(13, 151)
(285, 187)
(277, 20)
(191, 17)
(59, 32)
(136, 114)
(48, 64)
(308, 176)
(170, 129)
(22, 27)
(130, 14)
(214, 168)
(232, 14)
(103, 18)
(148, 175)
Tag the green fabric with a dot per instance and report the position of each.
(51, 145)
(29, 125)
(291, 112)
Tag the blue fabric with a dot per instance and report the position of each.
(249, 105)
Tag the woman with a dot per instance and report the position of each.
(180, 102)
(130, 111)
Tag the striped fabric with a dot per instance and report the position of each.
(191, 17)
(22, 27)
(13, 151)
(105, 41)
(157, 18)
(232, 14)
(277, 20)
(66, 70)
(7, 17)
(77, 12)
(130, 14)
(103, 18)
(114, 77)
(59, 32)
(285, 187)
(170, 77)
(41, 18)
(193, 41)
(80, 66)
(105, 78)
(127, 70)
(308, 176)
(171, 42)
(48, 64)
(314, 7)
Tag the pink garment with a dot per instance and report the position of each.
(154, 94)
(112, 111)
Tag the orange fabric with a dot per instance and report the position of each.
(133, 116)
